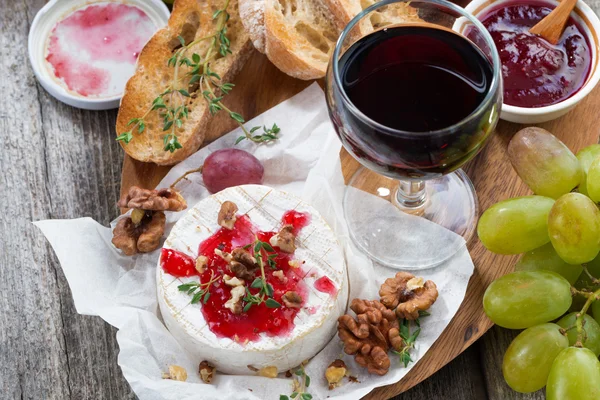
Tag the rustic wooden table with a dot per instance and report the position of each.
(61, 162)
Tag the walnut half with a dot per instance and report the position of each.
(335, 373)
(292, 299)
(153, 200)
(234, 304)
(206, 371)
(226, 217)
(141, 238)
(175, 373)
(370, 335)
(141, 232)
(284, 239)
(242, 264)
(408, 295)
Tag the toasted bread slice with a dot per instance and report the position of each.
(388, 15)
(298, 36)
(191, 19)
(252, 14)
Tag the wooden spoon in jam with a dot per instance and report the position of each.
(553, 25)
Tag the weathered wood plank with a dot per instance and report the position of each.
(57, 162)
(33, 361)
(460, 379)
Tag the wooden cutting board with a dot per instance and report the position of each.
(261, 86)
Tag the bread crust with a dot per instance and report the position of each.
(191, 19)
(300, 35)
(252, 14)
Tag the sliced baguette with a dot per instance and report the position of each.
(391, 14)
(298, 36)
(252, 14)
(192, 19)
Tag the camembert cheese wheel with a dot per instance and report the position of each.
(265, 293)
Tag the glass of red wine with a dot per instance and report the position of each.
(412, 101)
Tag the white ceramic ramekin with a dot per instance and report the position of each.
(42, 25)
(589, 21)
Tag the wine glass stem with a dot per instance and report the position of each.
(410, 195)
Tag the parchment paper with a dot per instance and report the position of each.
(304, 161)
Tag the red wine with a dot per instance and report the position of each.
(414, 79)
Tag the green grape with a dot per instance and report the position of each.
(586, 156)
(574, 228)
(545, 258)
(529, 357)
(593, 181)
(575, 375)
(544, 163)
(516, 225)
(590, 327)
(527, 298)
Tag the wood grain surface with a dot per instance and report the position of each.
(60, 162)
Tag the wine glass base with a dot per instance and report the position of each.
(404, 238)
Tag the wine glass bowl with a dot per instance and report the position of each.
(413, 101)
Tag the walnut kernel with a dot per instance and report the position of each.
(232, 281)
(226, 217)
(335, 373)
(292, 299)
(206, 371)
(234, 304)
(268, 372)
(370, 335)
(201, 264)
(284, 239)
(176, 373)
(408, 295)
(142, 238)
(153, 200)
(280, 275)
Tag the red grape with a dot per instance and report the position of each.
(231, 167)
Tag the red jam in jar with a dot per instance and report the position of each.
(535, 72)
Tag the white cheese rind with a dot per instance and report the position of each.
(316, 322)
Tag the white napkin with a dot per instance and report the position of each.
(303, 161)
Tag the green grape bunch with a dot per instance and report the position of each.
(553, 293)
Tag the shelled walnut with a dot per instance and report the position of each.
(175, 373)
(226, 217)
(408, 295)
(242, 264)
(234, 304)
(153, 200)
(143, 237)
(284, 239)
(142, 230)
(268, 372)
(335, 372)
(206, 371)
(370, 335)
(292, 299)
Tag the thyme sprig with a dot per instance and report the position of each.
(171, 104)
(198, 291)
(300, 386)
(409, 338)
(260, 252)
